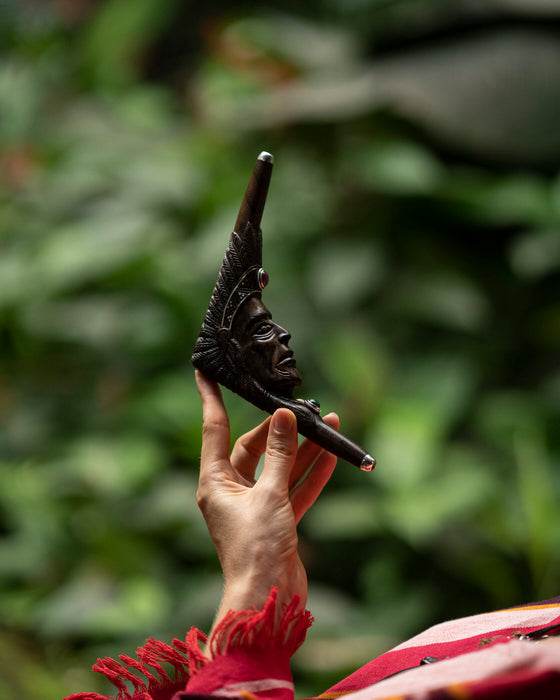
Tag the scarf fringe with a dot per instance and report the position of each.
(185, 657)
(257, 629)
(240, 629)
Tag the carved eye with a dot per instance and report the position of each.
(264, 328)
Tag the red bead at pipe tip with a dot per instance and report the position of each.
(368, 463)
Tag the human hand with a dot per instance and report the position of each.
(253, 522)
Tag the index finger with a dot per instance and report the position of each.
(248, 450)
(215, 427)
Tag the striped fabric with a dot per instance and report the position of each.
(483, 657)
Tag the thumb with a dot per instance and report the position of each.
(281, 449)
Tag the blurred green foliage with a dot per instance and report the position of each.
(412, 235)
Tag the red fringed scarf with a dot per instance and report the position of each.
(185, 658)
(245, 645)
(483, 657)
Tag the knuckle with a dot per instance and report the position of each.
(279, 450)
(202, 497)
(245, 445)
(239, 444)
(268, 494)
(210, 426)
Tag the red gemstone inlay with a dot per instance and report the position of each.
(263, 278)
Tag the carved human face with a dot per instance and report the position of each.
(264, 344)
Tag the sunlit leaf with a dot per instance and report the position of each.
(536, 254)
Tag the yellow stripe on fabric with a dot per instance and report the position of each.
(459, 691)
(247, 695)
(531, 607)
(339, 693)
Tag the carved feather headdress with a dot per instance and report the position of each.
(241, 277)
(218, 354)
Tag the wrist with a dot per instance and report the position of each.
(251, 589)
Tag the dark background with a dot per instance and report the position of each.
(413, 242)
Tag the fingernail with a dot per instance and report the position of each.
(282, 421)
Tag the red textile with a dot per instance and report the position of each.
(248, 652)
(481, 658)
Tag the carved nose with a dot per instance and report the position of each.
(283, 335)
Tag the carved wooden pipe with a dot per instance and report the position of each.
(312, 426)
(241, 278)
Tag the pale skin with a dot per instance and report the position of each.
(253, 522)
